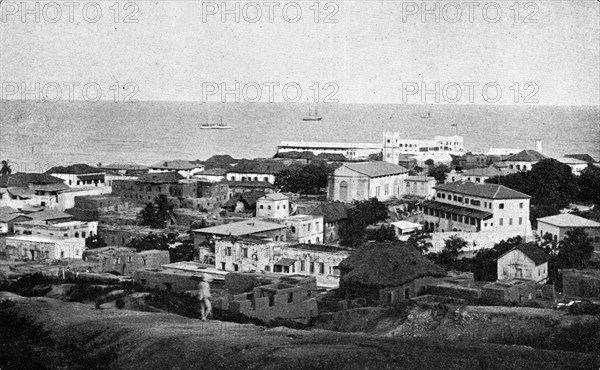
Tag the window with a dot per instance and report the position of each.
(501, 222)
(520, 220)
(245, 252)
(261, 206)
(510, 221)
(228, 251)
(312, 267)
(521, 205)
(129, 259)
(501, 206)
(505, 271)
(269, 207)
(321, 268)
(302, 266)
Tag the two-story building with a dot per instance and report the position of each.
(525, 261)
(274, 205)
(251, 254)
(481, 174)
(440, 149)
(523, 161)
(334, 214)
(37, 247)
(474, 207)
(255, 170)
(147, 187)
(365, 180)
(79, 175)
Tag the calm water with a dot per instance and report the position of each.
(35, 136)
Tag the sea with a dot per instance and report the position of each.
(38, 135)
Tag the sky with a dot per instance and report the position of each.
(489, 52)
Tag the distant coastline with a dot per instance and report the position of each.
(37, 134)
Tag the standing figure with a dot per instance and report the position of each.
(204, 296)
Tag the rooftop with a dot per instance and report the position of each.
(276, 196)
(327, 145)
(241, 228)
(24, 179)
(568, 220)
(567, 160)
(491, 191)
(526, 156)
(331, 211)
(175, 165)
(160, 178)
(420, 178)
(248, 184)
(484, 172)
(75, 169)
(48, 215)
(376, 169)
(534, 253)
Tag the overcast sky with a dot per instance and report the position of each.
(374, 51)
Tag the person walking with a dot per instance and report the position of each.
(204, 296)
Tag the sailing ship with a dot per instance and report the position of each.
(216, 126)
(312, 116)
(426, 116)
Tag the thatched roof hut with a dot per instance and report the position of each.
(387, 264)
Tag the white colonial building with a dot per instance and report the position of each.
(421, 186)
(274, 205)
(184, 168)
(525, 261)
(557, 227)
(352, 151)
(475, 207)
(440, 149)
(365, 180)
(36, 247)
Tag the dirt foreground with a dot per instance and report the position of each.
(79, 336)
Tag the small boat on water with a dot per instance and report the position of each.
(216, 126)
(426, 116)
(312, 116)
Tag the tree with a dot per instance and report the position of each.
(454, 245)
(358, 217)
(153, 241)
(308, 179)
(383, 233)
(429, 162)
(95, 241)
(155, 215)
(589, 185)
(421, 241)
(550, 183)
(575, 250)
(439, 172)
(183, 252)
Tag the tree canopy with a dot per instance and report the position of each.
(307, 179)
(362, 214)
(95, 241)
(439, 172)
(155, 215)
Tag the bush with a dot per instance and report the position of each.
(120, 303)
